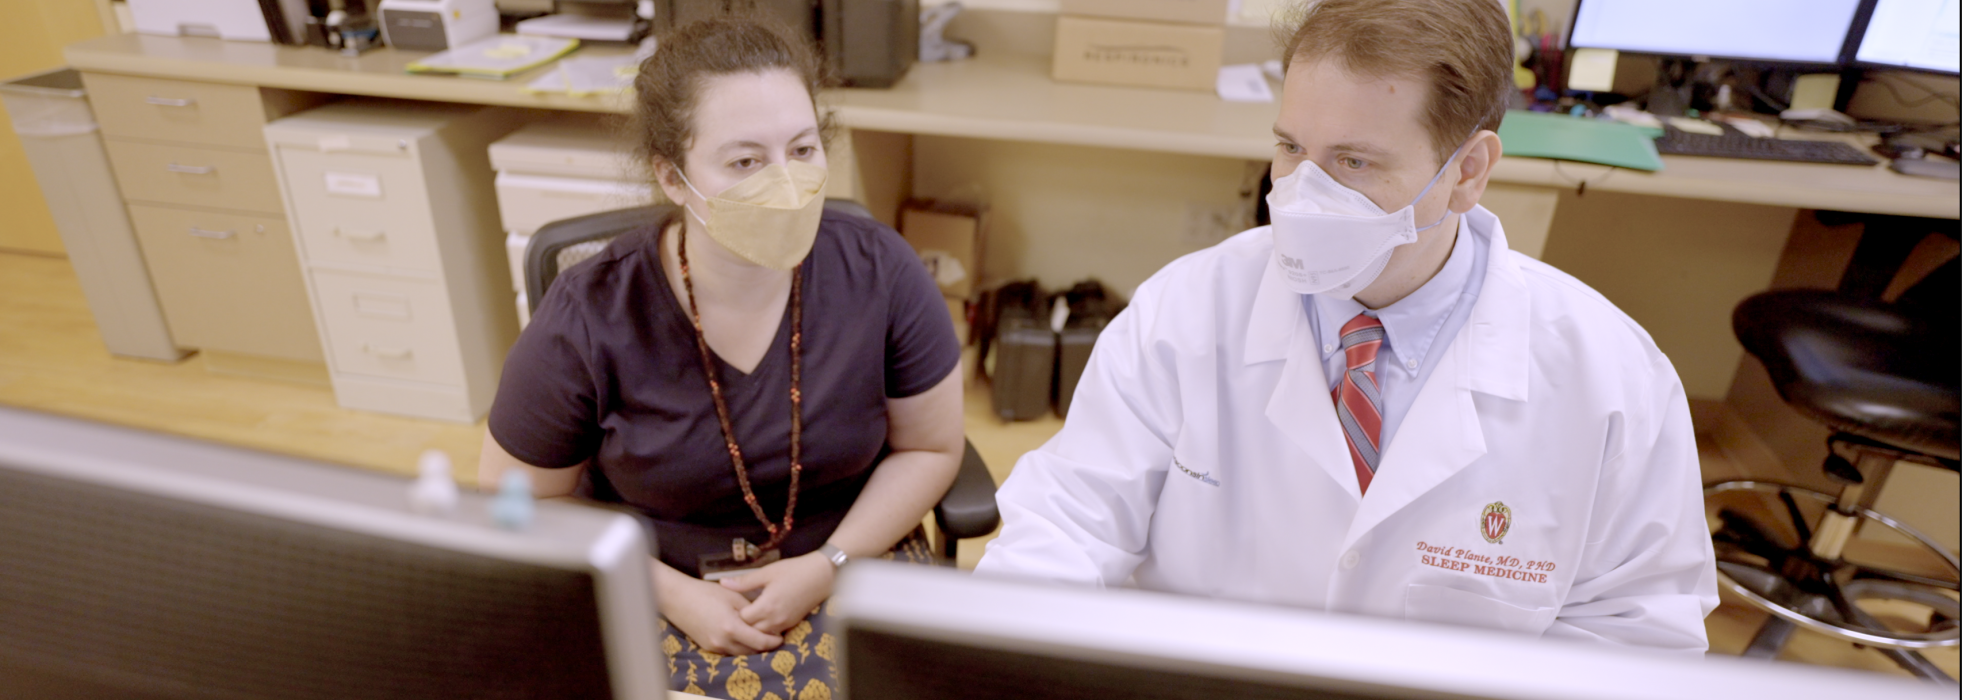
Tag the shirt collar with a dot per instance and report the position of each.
(1410, 325)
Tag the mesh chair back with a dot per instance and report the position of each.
(566, 242)
(578, 252)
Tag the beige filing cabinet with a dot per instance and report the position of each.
(194, 172)
(569, 166)
(393, 214)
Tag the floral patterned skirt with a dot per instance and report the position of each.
(804, 668)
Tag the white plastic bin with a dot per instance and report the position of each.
(50, 113)
(558, 169)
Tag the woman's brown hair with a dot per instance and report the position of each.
(670, 82)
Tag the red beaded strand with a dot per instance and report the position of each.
(777, 532)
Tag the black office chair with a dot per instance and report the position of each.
(1883, 377)
(967, 511)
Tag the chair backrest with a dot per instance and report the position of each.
(561, 244)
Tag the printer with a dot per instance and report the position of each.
(436, 25)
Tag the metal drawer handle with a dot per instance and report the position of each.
(191, 169)
(360, 235)
(168, 102)
(208, 233)
(388, 353)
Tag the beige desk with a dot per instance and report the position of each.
(1675, 249)
(1010, 97)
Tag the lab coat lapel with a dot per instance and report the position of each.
(1499, 331)
(1300, 407)
(1442, 433)
(1439, 437)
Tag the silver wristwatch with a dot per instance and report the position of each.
(836, 555)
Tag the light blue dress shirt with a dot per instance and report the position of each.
(1417, 328)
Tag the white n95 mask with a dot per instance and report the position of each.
(771, 217)
(1329, 239)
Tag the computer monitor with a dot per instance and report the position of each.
(1918, 34)
(1781, 31)
(138, 565)
(920, 632)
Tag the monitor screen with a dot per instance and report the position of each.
(924, 632)
(1796, 31)
(136, 565)
(1917, 34)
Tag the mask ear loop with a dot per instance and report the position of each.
(698, 193)
(1435, 179)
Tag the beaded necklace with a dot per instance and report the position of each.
(777, 532)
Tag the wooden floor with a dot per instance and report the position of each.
(52, 359)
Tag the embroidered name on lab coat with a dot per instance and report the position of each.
(1496, 566)
(1203, 478)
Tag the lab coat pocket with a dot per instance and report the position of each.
(1442, 604)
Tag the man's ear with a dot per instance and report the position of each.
(1475, 170)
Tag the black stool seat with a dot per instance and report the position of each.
(1862, 367)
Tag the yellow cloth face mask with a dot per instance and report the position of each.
(771, 217)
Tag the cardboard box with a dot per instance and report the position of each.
(1189, 11)
(1144, 54)
(950, 240)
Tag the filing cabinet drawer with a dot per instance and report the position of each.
(528, 202)
(201, 177)
(392, 327)
(363, 208)
(228, 282)
(177, 110)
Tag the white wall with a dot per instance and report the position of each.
(1062, 213)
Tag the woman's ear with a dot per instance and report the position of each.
(668, 176)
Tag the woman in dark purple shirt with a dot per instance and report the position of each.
(773, 386)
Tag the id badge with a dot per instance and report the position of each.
(742, 558)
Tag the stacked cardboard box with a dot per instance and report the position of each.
(952, 240)
(1146, 43)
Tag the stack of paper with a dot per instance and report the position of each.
(579, 27)
(589, 76)
(596, 75)
(497, 57)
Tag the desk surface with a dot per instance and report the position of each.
(1010, 97)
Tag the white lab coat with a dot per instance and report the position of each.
(1202, 456)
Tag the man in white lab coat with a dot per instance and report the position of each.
(1373, 406)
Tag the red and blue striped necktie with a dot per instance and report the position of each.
(1358, 403)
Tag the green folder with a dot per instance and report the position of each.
(1561, 137)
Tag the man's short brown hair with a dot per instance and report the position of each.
(1462, 47)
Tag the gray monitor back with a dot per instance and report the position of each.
(916, 632)
(136, 565)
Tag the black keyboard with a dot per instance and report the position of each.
(1734, 144)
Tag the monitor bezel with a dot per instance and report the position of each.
(1289, 647)
(611, 547)
(1841, 60)
(1859, 35)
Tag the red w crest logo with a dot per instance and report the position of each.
(1494, 522)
